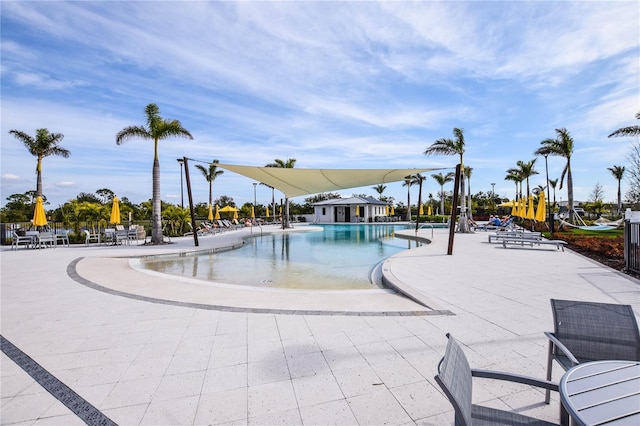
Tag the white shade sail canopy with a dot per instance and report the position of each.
(296, 182)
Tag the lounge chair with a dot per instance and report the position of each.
(455, 379)
(590, 331)
(63, 238)
(28, 239)
(46, 238)
(89, 237)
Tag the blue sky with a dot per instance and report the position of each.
(332, 84)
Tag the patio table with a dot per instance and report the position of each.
(602, 392)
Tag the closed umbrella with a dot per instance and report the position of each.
(514, 208)
(210, 216)
(357, 210)
(541, 212)
(115, 212)
(530, 210)
(253, 213)
(421, 210)
(266, 213)
(429, 212)
(217, 216)
(393, 211)
(39, 217)
(386, 210)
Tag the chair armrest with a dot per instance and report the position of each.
(562, 347)
(526, 380)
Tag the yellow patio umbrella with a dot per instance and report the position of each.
(531, 214)
(235, 214)
(253, 213)
(210, 216)
(217, 216)
(429, 212)
(386, 210)
(541, 212)
(521, 208)
(357, 210)
(421, 210)
(393, 211)
(115, 212)
(514, 208)
(39, 217)
(266, 213)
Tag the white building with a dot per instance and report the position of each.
(354, 209)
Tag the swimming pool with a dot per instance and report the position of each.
(337, 257)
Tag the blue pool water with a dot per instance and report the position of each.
(338, 257)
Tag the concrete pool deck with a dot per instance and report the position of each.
(138, 361)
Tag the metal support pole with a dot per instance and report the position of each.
(181, 161)
(193, 215)
(419, 204)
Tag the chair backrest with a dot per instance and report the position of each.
(454, 377)
(597, 331)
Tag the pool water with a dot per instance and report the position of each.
(338, 257)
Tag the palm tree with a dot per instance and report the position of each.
(618, 172)
(628, 131)
(379, 189)
(561, 146)
(455, 146)
(210, 174)
(526, 171)
(442, 181)
(289, 164)
(514, 176)
(43, 145)
(408, 181)
(553, 183)
(467, 175)
(157, 128)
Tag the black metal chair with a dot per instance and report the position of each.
(455, 379)
(590, 331)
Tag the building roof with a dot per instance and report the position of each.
(350, 201)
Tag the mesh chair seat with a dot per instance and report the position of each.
(485, 416)
(591, 331)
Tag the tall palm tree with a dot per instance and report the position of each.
(618, 172)
(379, 189)
(467, 175)
(561, 146)
(43, 145)
(628, 131)
(289, 164)
(408, 181)
(514, 176)
(553, 183)
(527, 170)
(157, 128)
(210, 174)
(442, 181)
(446, 146)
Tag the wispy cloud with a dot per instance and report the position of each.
(333, 84)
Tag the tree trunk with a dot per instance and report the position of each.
(572, 218)
(285, 219)
(463, 224)
(619, 199)
(39, 177)
(442, 199)
(156, 215)
(408, 218)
